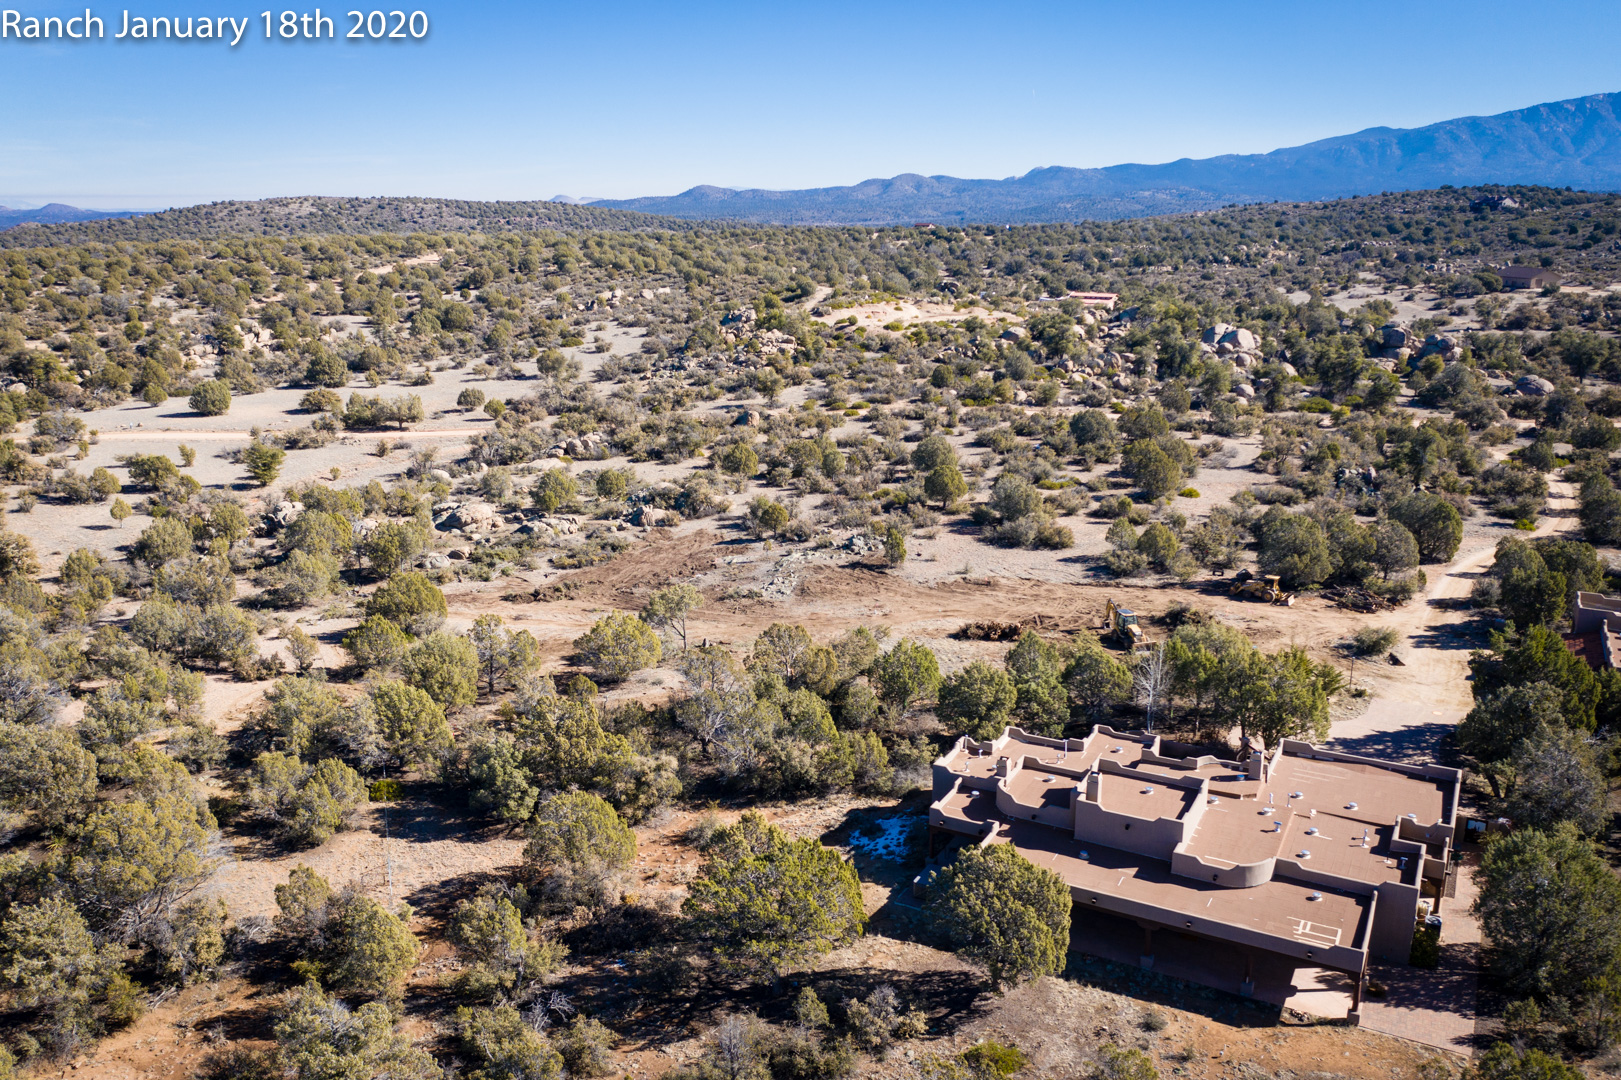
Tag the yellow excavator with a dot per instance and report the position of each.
(1249, 587)
(1121, 625)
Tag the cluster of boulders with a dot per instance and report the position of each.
(1533, 386)
(1107, 362)
(589, 445)
(439, 560)
(1234, 343)
(776, 343)
(1398, 344)
(650, 517)
(737, 326)
(466, 517)
(1448, 349)
(560, 524)
(863, 544)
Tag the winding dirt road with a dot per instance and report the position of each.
(1411, 714)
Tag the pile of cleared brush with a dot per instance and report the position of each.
(1354, 599)
(989, 631)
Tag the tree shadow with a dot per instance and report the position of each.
(949, 998)
(913, 806)
(1427, 742)
(437, 899)
(1470, 634)
(423, 816)
(246, 1022)
(1448, 987)
(1215, 588)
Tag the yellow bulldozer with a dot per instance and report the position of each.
(1249, 587)
(1121, 625)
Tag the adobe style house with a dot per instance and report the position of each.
(1527, 277)
(1595, 632)
(1323, 858)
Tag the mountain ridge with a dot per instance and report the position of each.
(56, 214)
(1571, 143)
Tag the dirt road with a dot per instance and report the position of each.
(1415, 707)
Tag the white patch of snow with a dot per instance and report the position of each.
(887, 841)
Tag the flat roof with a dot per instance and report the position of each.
(1236, 832)
(1278, 908)
(1358, 790)
(1331, 821)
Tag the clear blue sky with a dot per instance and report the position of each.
(529, 100)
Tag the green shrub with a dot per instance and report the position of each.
(618, 644)
(212, 398)
(411, 602)
(1426, 951)
(994, 1059)
(1372, 640)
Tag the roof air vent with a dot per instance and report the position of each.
(1315, 896)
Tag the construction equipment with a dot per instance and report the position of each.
(1121, 625)
(1247, 586)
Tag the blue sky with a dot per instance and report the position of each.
(530, 100)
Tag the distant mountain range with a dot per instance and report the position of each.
(56, 214)
(1575, 143)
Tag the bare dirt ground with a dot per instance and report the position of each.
(910, 312)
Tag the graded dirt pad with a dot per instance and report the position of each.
(627, 580)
